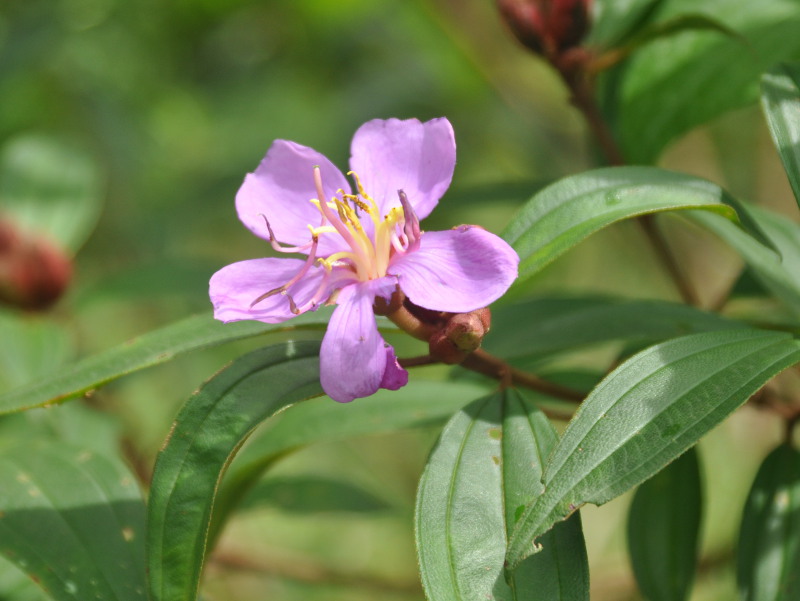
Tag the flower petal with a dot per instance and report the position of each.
(354, 360)
(457, 270)
(234, 288)
(415, 157)
(280, 189)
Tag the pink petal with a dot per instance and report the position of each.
(280, 189)
(415, 157)
(354, 360)
(457, 270)
(234, 288)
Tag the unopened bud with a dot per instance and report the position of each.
(461, 335)
(548, 27)
(34, 272)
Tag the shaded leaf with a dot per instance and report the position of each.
(544, 326)
(768, 557)
(73, 521)
(486, 464)
(779, 272)
(312, 494)
(664, 528)
(418, 404)
(780, 98)
(567, 212)
(713, 73)
(644, 415)
(153, 348)
(36, 348)
(207, 432)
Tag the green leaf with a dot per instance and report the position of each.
(39, 348)
(567, 212)
(487, 463)
(713, 73)
(780, 99)
(153, 348)
(616, 21)
(73, 521)
(51, 188)
(207, 432)
(768, 557)
(645, 414)
(418, 404)
(779, 271)
(312, 494)
(564, 323)
(663, 530)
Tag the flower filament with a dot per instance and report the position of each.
(369, 250)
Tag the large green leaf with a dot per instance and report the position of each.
(418, 404)
(487, 463)
(544, 326)
(711, 72)
(567, 212)
(778, 271)
(645, 414)
(780, 98)
(207, 432)
(50, 188)
(768, 557)
(73, 521)
(664, 529)
(153, 348)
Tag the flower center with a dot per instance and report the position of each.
(370, 245)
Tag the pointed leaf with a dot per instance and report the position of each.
(780, 99)
(486, 464)
(153, 348)
(73, 521)
(768, 558)
(777, 269)
(645, 414)
(664, 528)
(567, 212)
(207, 432)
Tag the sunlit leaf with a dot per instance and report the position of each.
(73, 521)
(664, 529)
(780, 98)
(153, 348)
(209, 429)
(50, 188)
(645, 414)
(487, 464)
(768, 556)
(567, 212)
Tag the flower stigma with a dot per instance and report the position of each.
(369, 246)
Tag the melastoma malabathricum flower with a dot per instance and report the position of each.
(360, 247)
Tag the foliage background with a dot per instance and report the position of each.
(173, 102)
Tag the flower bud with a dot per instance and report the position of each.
(548, 27)
(34, 272)
(461, 335)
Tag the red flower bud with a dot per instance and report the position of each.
(548, 27)
(34, 272)
(461, 335)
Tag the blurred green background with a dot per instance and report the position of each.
(151, 112)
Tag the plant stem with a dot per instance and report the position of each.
(576, 79)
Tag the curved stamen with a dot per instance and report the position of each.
(411, 225)
(312, 255)
(273, 241)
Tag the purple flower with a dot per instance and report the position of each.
(359, 246)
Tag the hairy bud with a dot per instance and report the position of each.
(34, 272)
(548, 27)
